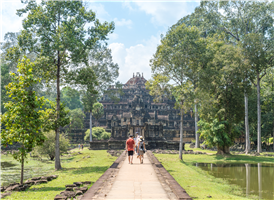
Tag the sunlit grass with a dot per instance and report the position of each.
(75, 169)
(198, 183)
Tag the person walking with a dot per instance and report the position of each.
(82, 146)
(130, 148)
(141, 149)
(79, 146)
(136, 140)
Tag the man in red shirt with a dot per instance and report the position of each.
(130, 148)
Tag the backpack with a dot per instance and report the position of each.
(142, 146)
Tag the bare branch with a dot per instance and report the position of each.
(230, 33)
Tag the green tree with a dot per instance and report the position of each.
(77, 118)
(104, 71)
(178, 58)
(23, 121)
(248, 24)
(5, 80)
(98, 111)
(71, 98)
(55, 31)
(222, 87)
(98, 133)
(48, 147)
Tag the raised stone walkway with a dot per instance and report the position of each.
(136, 181)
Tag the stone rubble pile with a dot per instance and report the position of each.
(116, 153)
(75, 191)
(159, 151)
(28, 183)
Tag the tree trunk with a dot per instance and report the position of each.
(197, 142)
(259, 143)
(221, 150)
(22, 169)
(57, 149)
(90, 126)
(181, 136)
(247, 141)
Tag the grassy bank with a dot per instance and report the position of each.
(198, 183)
(75, 168)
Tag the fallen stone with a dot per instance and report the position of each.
(54, 176)
(78, 184)
(30, 182)
(5, 194)
(23, 187)
(83, 157)
(87, 182)
(68, 194)
(36, 178)
(40, 181)
(12, 184)
(49, 178)
(83, 189)
(69, 189)
(71, 185)
(88, 156)
(78, 192)
(60, 197)
(12, 188)
(3, 188)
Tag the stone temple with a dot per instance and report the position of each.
(135, 112)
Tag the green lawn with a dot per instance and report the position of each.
(198, 183)
(75, 169)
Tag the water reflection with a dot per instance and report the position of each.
(254, 179)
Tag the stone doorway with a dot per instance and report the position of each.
(137, 129)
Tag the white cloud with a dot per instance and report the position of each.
(99, 10)
(135, 58)
(113, 36)
(164, 13)
(123, 22)
(10, 22)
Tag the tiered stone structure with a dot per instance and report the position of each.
(158, 123)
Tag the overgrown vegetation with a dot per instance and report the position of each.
(98, 133)
(48, 147)
(220, 58)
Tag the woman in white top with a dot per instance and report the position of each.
(136, 140)
(141, 149)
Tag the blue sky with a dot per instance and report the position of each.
(138, 26)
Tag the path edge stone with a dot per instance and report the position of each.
(99, 184)
(176, 188)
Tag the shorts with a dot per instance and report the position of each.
(141, 152)
(130, 153)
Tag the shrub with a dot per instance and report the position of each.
(48, 147)
(98, 133)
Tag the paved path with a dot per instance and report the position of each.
(137, 181)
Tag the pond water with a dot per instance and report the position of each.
(254, 179)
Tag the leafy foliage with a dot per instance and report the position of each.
(215, 133)
(98, 133)
(77, 118)
(55, 31)
(5, 80)
(48, 147)
(71, 98)
(98, 111)
(23, 120)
